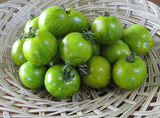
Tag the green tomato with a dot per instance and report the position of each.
(32, 76)
(100, 72)
(55, 20)
(56, 84)
(113, 52)
(31, 23)
(138, 39)
(78, 20)
(74, 45)
(129, 75)
(107, 29)
(17, 53)
(40, 49)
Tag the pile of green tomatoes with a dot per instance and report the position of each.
(62, 49)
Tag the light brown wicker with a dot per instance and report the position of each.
(18, 101)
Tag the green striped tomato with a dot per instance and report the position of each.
(138, 39)
(113, 52)
(40, 49)
(129, 75)
(17, 52)
(107, 29)
(57, 86)
(99, 74)
(74, 45)
(78, 19)
(31, 23)
(32, 76)
(55, 20)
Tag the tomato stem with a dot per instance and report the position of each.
(68, 12)
(68, 74)
(84, 69)
(105, 13)
(89, 36)
(31, 33)
(131, 57)
(32, 16)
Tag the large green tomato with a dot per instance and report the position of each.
(74, 45)
(32, 76)
(40, 49)
(55, 20)
(107, 29)
(131, 74)
(100, 72)
(79, 20)
(58, 85)
(115, 51)
(138, 39)
(17, 53)
(33, 22)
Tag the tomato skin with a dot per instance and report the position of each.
(40, 49)
(17, 53)
(56, 85)
(96, 49)
(129, 75)
(107, 29)
(74, 45)
(100, 72)
(55, 20)
(31, 23)
(113, 52)
(32, 76)
(138, 39)
(79, 21)
(56, 60)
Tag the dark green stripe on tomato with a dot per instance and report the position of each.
(107, 29)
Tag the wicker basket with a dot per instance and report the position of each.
(18, 101)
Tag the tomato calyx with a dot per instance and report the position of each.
(105, 13)
(67, 75)
(32, 16)
(131, 57)
(32, 32)
(84, 69)
(89, 36)
(68, 12)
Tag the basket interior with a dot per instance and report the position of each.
(18, 101)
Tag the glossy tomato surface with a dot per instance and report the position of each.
(78, 20)
(17, 52)
(40, 49)
(138, 39)
(115, 51)
(74, 45)
(32, 76)
(129, 75)
(55, 20)
(107, 29)
(100, 72)
(57, 86)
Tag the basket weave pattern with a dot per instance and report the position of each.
(18, 101)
